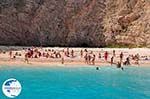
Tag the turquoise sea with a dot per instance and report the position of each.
(79, 82)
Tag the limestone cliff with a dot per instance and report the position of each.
(92, 23)
(128, 22)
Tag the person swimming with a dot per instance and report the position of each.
(97, 68)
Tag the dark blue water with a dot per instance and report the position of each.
(79, 82)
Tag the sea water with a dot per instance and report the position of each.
(79, 82)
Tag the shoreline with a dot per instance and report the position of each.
(66, 64)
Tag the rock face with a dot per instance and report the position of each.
(93, 23)
(128, 22)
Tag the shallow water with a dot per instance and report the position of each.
(79, 82)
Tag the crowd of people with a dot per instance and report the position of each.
(90, 57)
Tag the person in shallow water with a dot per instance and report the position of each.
(119, 65)
(127, 62)
(112, 60)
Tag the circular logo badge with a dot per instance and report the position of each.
(11, 88)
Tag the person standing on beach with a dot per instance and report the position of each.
(67, 52)
(86, 58)
(121, 57)
(62, 60)
(93, 59)
(31, 53)
(114, 53)
(99, 55)
(81, 53)
(89, 59)
(106, 55)
(72, 53)
(26, 58)
(10, 54)
(137, 58)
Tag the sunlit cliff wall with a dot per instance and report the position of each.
(93, 23)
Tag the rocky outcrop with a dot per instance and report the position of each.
(93, 23)
(52, 22)
(128, 22)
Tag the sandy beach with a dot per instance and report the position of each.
(76, 57)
